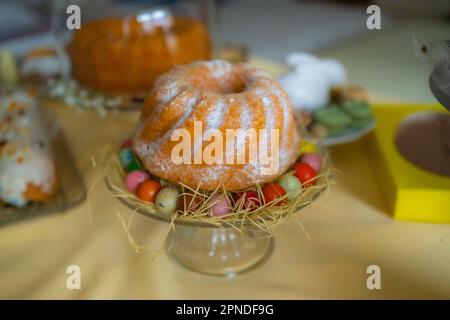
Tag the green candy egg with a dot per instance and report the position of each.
(126, 157)
(167, 200)
(291, 185)
(133, 165)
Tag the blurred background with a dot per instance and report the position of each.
(271, 29)
(287, 25)
(352, 229)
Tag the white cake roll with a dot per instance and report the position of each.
(27, 170)
(45, 63)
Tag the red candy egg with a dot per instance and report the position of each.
(189, 202)
(250, 198)
(147, 190)
(126, 144)
(305, 174)
(273, 191)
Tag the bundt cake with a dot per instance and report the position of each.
(221, 96)
(125, 55)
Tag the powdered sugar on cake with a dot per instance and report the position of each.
(212, 107)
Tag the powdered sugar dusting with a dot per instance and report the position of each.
(147, 149)
(253, 169)
(214, 119)
(170, 91)
(270, 98)
(255, 74)
(268, 108)
(286, 109)
(245, 115)
(219, 68)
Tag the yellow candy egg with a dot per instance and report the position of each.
(307, 147)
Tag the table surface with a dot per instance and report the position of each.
(348, 230)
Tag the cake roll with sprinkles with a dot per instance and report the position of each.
(27, 170)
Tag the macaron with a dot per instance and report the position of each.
(333, 118)
(358, 110)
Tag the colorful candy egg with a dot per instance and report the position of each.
(189, 202)
(305, 174)
(125, 144)
(307, 147)
(133, 165)
(220, 205)
(147, 190)
(314, 161)
(126, 157)
(250, 199)
(134, 178)
(167, 199)
(273, 191)
(291, 185)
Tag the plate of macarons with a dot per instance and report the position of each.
(347, 117)
(331, 110)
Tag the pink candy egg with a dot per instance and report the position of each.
(125, 144)
(313, 160)
(134, 178)
(220, 206)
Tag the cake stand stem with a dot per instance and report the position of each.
(219, 251)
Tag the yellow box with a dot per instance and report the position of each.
(411, 192)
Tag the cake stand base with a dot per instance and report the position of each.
(219, 251)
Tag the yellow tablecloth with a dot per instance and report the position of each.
(348, 230)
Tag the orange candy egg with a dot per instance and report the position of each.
(147, 190)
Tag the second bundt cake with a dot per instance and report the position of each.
(125, 55)
(220, 96)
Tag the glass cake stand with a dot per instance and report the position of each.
(216, 250)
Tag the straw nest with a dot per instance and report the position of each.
(264, 217)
